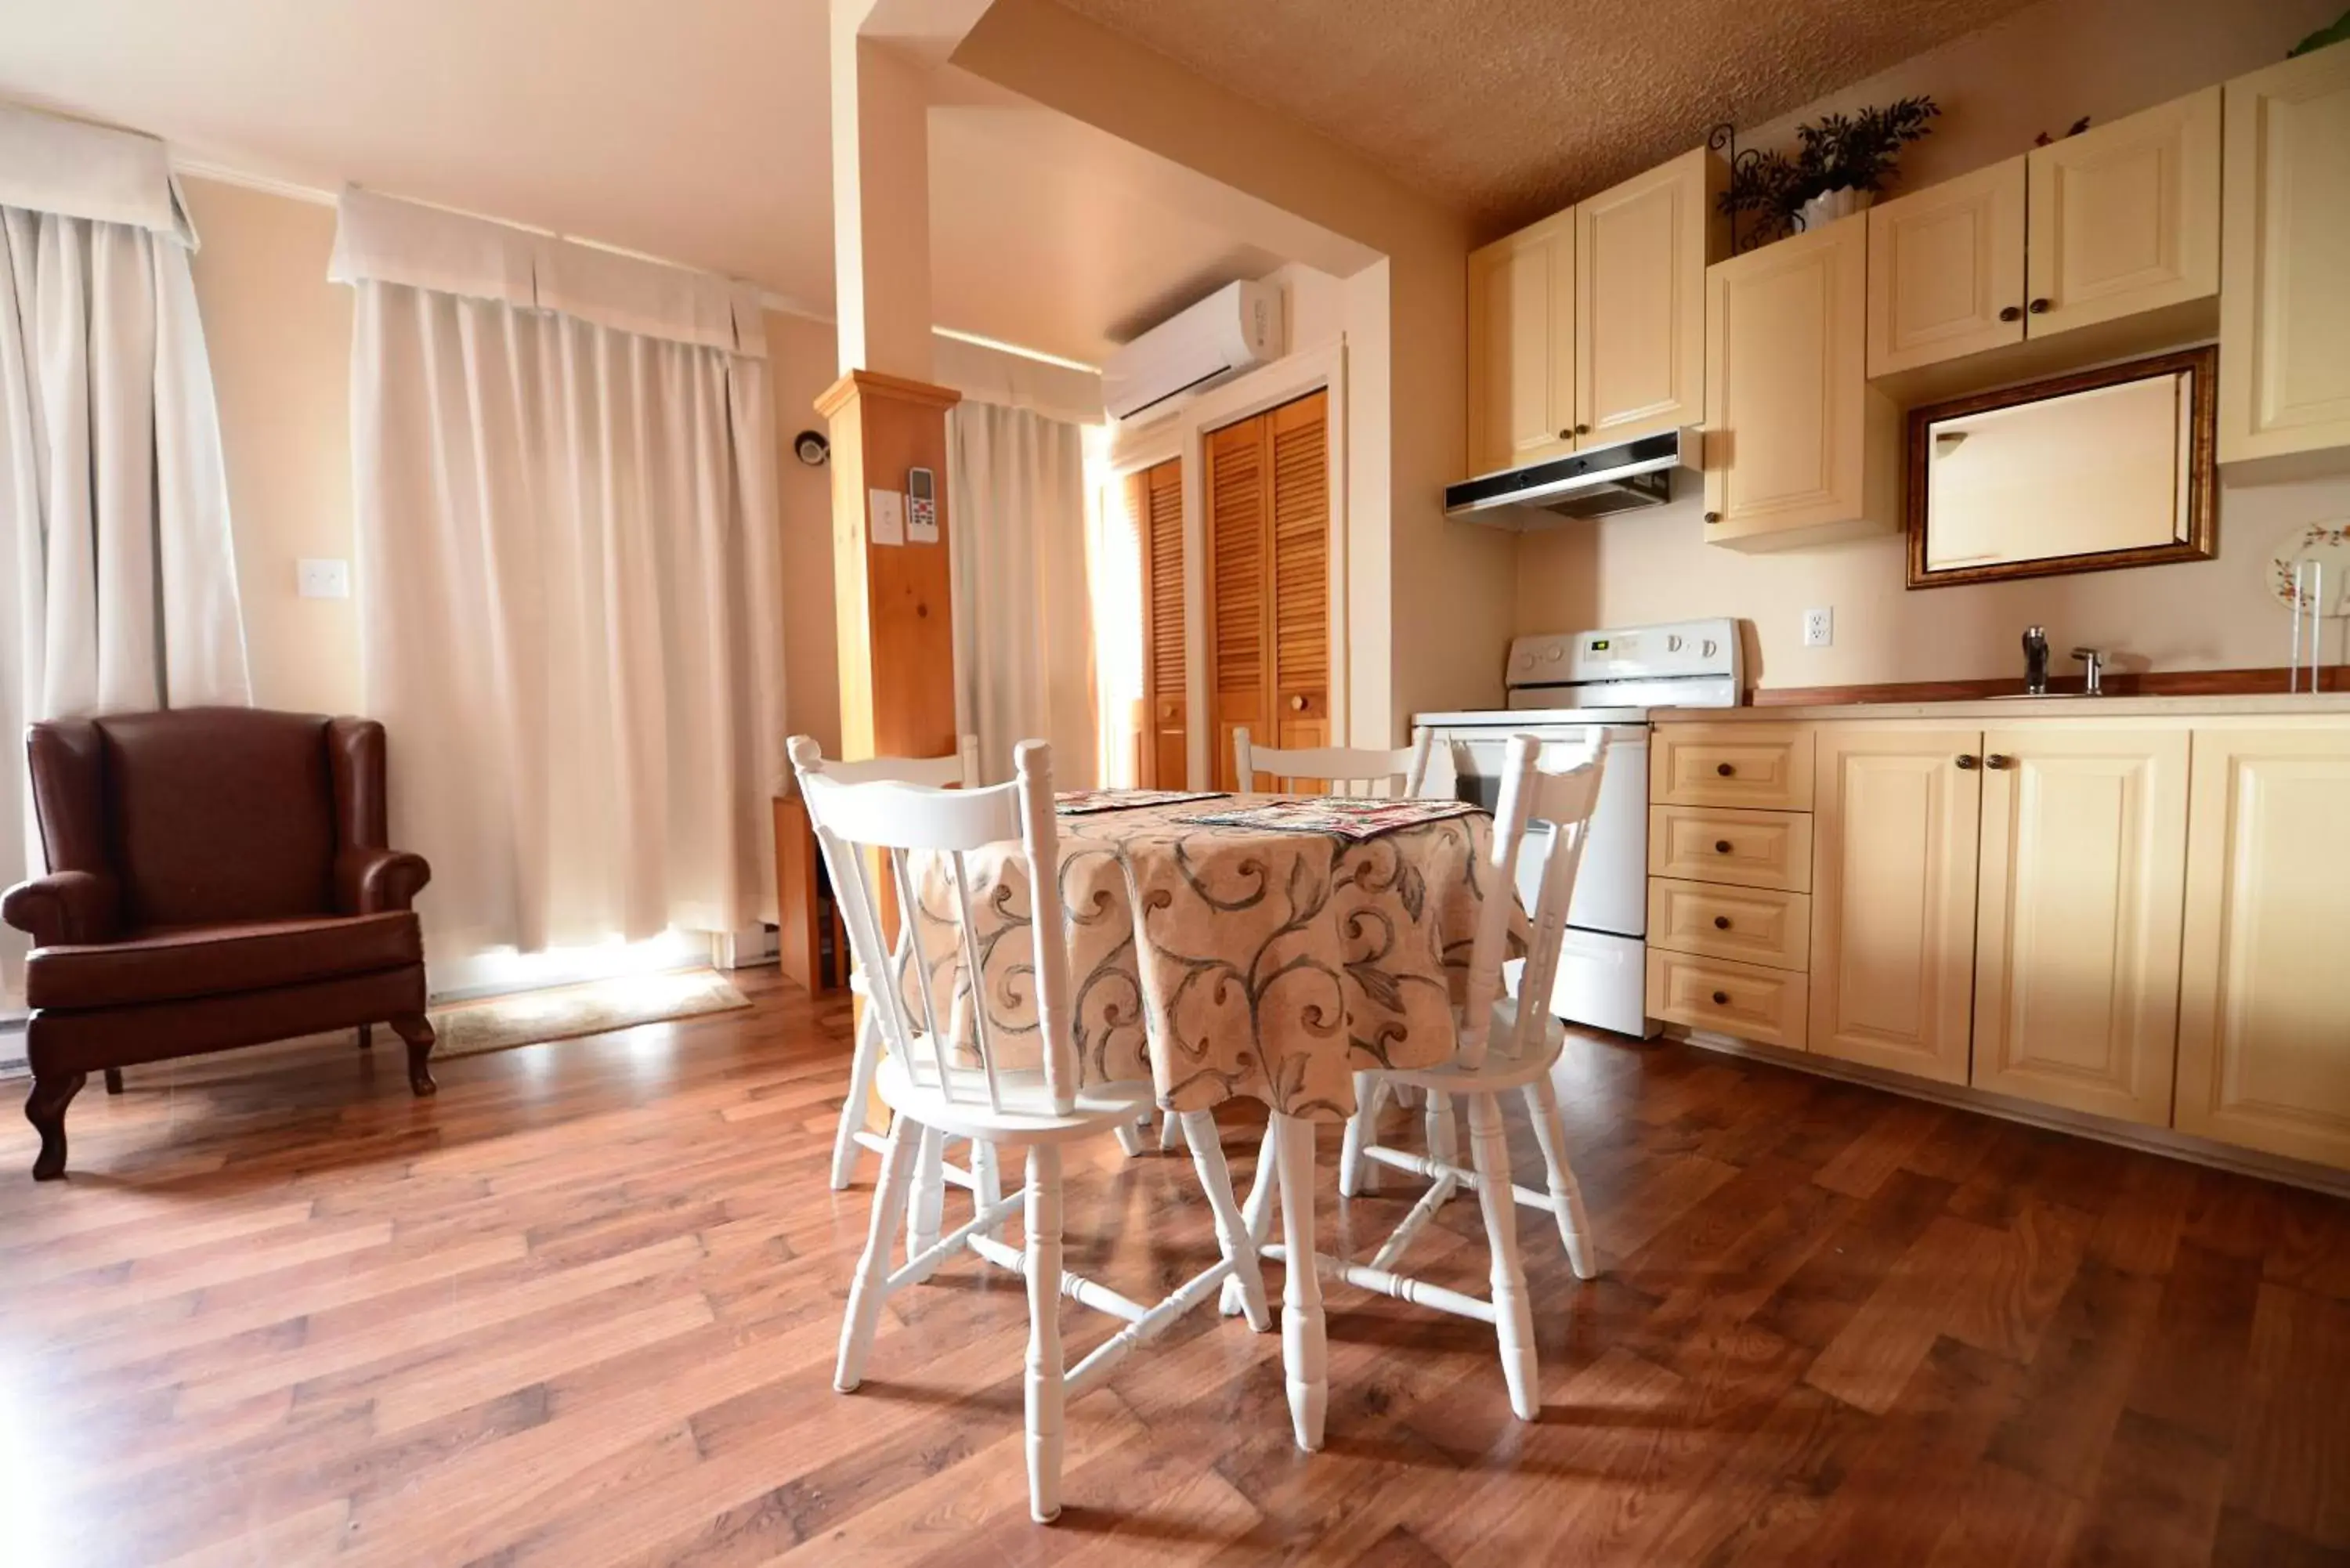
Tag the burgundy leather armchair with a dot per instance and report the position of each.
(218, 877)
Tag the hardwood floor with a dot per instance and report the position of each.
(581, 1309)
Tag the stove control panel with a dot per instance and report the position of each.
(1684, 648)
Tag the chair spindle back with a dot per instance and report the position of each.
(1399, 774)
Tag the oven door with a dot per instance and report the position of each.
(1611, 885)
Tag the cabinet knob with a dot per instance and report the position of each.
(1722, 999)
(1297, 704)
(1999, 760)
(1567, 434)
(1967, 762)
(1713, 517)
(2041, 307)
(1725, 770)
(1583, 430)
(1721, 922)
(1721, 846)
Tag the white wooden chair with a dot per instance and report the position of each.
(1351, 770)
(1508, 1039)
(1043, 1108)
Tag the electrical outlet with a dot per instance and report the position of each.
(1819, 628)
(323, 580)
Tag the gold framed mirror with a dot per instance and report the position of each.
(2086, 473)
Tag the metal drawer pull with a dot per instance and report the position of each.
(1999, 760)
(1721, 922)
(1967, 761)
(1721, 846)
(1725, 770)
(1722, 999)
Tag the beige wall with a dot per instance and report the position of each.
(2042, 68)
(280, 339)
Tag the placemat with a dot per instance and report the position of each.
(1085, 802)
(1345, 816)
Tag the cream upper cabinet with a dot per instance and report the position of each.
(2264, 1000)
(1946, 270)
(2285, 304)
(2081, 896)
(1640, 254)
(1893, 896)
(2125, 217)
(1522, 363)
(1799, 447)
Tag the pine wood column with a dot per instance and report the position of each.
(893, 602)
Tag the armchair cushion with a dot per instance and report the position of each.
(177, 964)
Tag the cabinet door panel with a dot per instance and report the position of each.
(1942, 265)
(1155, 500)
(1237, 466)
(2125, 217)
(2284, 315)
(2264, 999)
(1640, 254)
(1301, 575)
(2077, 921)
(1893, 896)
(1522, 347)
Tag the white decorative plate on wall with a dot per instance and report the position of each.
(2327, 544)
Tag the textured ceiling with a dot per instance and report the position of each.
(1509, 109)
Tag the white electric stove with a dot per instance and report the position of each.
(1566, 692)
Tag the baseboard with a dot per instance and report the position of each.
(2126, 1134)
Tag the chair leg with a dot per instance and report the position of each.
(871, 1283)
(1239, 1246)
(1304, 1338)
(1362, 1131)
(1256, 1214)
(367, 1037)
(1045, 1391)
(114, 1080)
(417, 1031)
(987, 1175)
(928, 1205)
(1129, 1138)
(1443, 1134)
(45, 1108)
(1513, 1314)
(1566, 1196)
(1170, 1130)
(860, 1092)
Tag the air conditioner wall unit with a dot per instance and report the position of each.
(1234, 329)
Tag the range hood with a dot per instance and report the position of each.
(1608, 479)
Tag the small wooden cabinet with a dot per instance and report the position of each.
(2264, 999)
(2077, 915)
(1154, 504)
(2284, 311)
(1799, 448)
(1893, 896)
(1946, 270)
(1522, 347)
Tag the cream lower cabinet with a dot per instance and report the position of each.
(2264, 999)
(1893, 895)
(2078, 909)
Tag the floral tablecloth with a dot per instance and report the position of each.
(1224, 961)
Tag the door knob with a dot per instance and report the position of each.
(1583, 430)
(1713, 517)
(1566, 435)
(1721, 922)
(1999, 760)
(2011, 313)
(2041, 307)
(1967, 762)
(1297, 704)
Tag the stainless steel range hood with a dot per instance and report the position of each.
(1625, 478)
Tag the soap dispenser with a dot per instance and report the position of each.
(2035, 661)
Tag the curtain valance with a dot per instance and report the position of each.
(79, 171)
(380, 239)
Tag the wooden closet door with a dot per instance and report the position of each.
(1268, 493)
(1155, 502)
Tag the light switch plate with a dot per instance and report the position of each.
(323, 580)
(1819, 628)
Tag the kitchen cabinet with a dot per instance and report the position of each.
(1717, 844)
(1268, 512)
(2264, 998)
(2081, 896)
(1767, 766)
(1946, 270)
(1154, 501)
(1640, 253)
(1522, 347)
(1799, 448)
(1893, 895)
(1746, 1000)
(2284, 313)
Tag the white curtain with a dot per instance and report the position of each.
(117, 579)
(569, 617)
(1022, 617)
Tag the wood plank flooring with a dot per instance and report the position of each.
(581, 1309)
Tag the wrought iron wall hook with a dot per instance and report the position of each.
(1723, 139)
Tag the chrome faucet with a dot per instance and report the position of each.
(2094, 661)
(2035, 661)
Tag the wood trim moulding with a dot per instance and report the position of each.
(2267, 681)
(858, 383)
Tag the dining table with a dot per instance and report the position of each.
(1227, 945)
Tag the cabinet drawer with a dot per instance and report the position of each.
(1759, 925)
(1762, 766)
(1728, 997)
(1750, 849)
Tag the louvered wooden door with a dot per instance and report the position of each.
(1154, 499)
(1268, 491)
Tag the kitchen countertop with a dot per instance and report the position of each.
(2273, 705)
